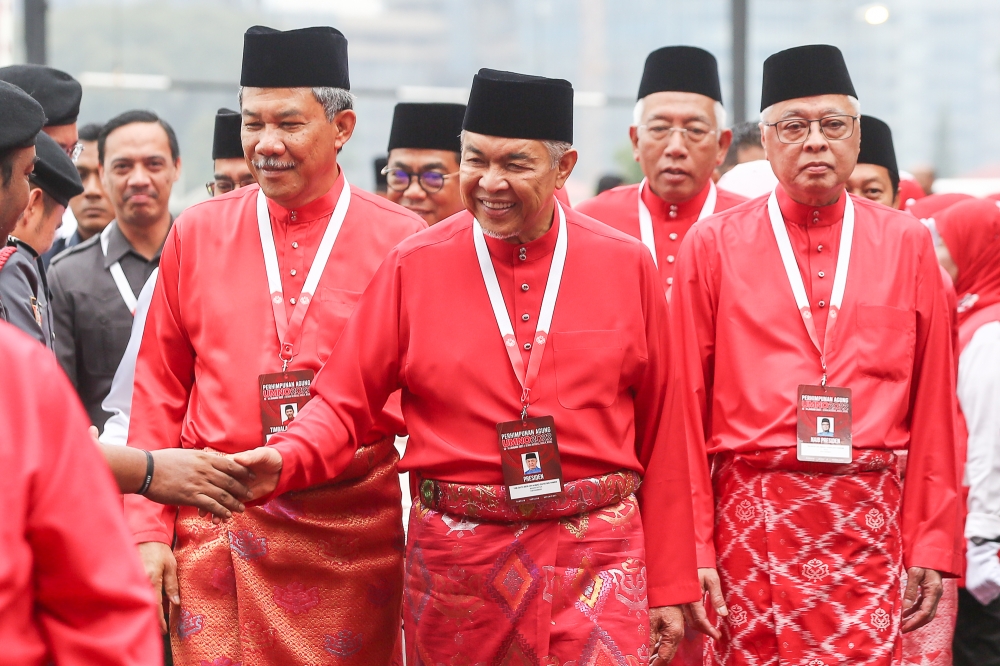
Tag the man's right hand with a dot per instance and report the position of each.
(694, 613)
(209, 481)
(161, 567)
(264, 464)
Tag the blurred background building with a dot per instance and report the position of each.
(931, 69)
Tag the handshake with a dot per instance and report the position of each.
(216, 483)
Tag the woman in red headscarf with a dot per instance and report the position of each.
(970, 251)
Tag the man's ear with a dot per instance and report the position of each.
(345, 122)
(565, 167)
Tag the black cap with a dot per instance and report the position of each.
(805, 71)
(226, 143)
(57, 92)
(876, 144)
(427, 126)
(519, 106)
(21, 117)
(381, 181)
(304, 58)
(55, 172)
(681, 69)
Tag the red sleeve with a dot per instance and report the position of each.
(351, 389)
(930, 494)
(164, 374)
(692, 325)
(92, 598)
(664, 497)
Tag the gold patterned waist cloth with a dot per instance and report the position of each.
(489, 502)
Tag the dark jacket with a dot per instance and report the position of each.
(25, 293)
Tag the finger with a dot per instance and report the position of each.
(94, 434)
(228, 485)
(715, 595)
(668, 646)
(210, 506)
(252, 457)
(913, 581)
(158, 593)
(916, 620)
(170, 582)
(230, 468)
(700, 621)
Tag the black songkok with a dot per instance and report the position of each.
(427, 126)
(21, 117)
(226, 143)
(681, 69)
(519, 106)
(805, 71)
(304, 58)
(57, 92)
(876, 145)
(55, 172)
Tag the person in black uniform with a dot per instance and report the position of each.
(23, 287)
(21, 118)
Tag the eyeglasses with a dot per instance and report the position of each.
(797, 130)
(400, 179)
(222, 186)
(74, 151)
(689, 134)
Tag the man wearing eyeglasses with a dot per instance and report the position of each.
(422, 172)
(679, 137)
(231, 170)
(809, 534)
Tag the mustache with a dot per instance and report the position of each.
(273, 163)
(149, 192)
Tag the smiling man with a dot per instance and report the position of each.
(254, 289)
(505, 341)
(422, 170)
(95, 284)
(810, 533)
(679, 137)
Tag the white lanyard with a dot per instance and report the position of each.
(289, 330)
(795, 277)
(646, 220)
(526, 377)
(117, 274)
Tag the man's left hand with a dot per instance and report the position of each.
(666, 629)
(923, 591)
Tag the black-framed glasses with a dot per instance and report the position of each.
(796, 130)
(430, 181)
(223, 185)
(660, 132)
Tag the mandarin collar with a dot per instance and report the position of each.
(314, 210)
(523, 253)
(802, 215)
(670, 211)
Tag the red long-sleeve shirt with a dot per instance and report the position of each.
(72, 589)
(425, 326)
(745, 351)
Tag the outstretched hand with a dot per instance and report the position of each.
(212, 482)
(264, 464)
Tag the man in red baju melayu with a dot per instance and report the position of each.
(809, 304)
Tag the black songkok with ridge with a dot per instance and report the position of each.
(21, 117)
(876, 145)
(55, 174)
(681, 69)
(805, 71)
(520, 106)
(226, 143)
(303, 58)
(57, 92)
(427, 126)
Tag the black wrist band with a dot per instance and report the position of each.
(149, 474)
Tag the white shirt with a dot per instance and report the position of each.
(119, 399)
(979, 396)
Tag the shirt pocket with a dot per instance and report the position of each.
(886, 336)
(335, 305)
(588, 368)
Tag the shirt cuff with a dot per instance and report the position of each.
(151, 535)
(705, 556)
(675, 594)
(938, 559)
(982, 525)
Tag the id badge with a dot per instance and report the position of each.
(824, 424)
(529, 456)
(282, 395)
